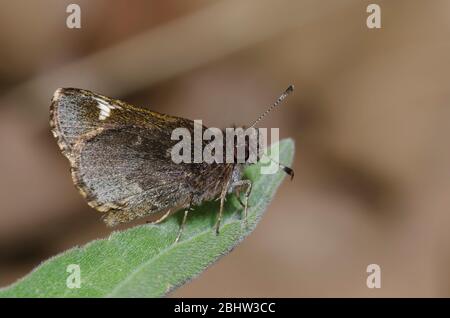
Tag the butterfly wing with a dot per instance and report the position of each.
(120, 155)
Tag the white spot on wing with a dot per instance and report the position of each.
(57, 94)
(105, 108)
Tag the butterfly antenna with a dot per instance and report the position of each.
(288, 90)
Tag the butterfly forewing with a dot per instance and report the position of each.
(75, 112)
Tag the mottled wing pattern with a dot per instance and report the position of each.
(128, 172)
(119, 154)
(75, 112)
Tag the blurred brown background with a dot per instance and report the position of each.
(370, 118)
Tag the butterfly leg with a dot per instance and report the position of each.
(183, 222)
(248, 188)
(237, 191)
(223, 194)
(162, 218)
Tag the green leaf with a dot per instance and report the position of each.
(144, 261)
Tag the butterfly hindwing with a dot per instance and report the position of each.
(128, 173)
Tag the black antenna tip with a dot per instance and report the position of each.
(289, 171)
(290, 89)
